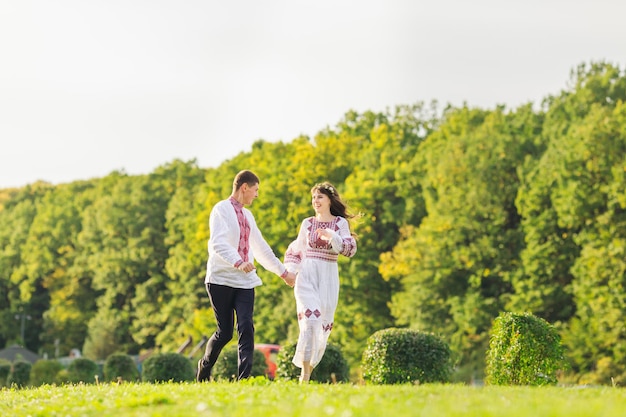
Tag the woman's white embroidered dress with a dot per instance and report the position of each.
(317, 283)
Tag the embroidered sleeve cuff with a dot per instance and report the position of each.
(239, 262)
(284, 274)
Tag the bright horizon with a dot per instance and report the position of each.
(88, 88)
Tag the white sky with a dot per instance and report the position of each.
(92, 86)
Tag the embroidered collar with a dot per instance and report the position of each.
(235, 202)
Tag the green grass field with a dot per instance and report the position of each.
(261, 398)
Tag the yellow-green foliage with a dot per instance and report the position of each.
(45, 371)
(120, 366)
(20, 374)
(226, 366)
(523, 350)
(395, 356)
(5, 370)
(163, 367)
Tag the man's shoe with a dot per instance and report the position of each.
(204, 372)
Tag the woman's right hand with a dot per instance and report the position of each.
(290, 279)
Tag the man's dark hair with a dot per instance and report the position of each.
(245, 177)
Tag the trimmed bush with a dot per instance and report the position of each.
(226, 366)
(395, 356)
(20, 374)
(523, 350)
(5, 370)
(120, 366)
(163, 367)
(80, 370)
(332, 368)
(45, 371)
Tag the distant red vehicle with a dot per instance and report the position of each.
(270, 352)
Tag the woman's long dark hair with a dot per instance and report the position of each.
(337, 206)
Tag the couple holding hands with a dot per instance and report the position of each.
(310, 267)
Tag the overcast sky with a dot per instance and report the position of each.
(88, 87)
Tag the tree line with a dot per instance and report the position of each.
(466, 213)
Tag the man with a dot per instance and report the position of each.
(234, 244)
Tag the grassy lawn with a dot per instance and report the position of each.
(260, 398)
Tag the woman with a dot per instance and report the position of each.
(313, 257)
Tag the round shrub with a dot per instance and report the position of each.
(163, 367)
(62, 376)
(81, 370)
(45, 371)
(5, 370)
(120, 366)
(523, 350)
(20, 374)
(394, 356)
(332, 368)
(226, 366)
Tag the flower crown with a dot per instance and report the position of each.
(329, 188)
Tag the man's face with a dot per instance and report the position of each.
(249, 193)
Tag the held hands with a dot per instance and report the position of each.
(290, 279)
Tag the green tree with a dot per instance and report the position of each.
(572, 202)
(185, 266)
(123, 239)
(21, 296)
(376, 188)
(48, 256)
(453, 266)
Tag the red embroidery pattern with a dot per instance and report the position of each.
(314, 241)
(328, 327)
(244, 231)
(321, 249)
(292, 257)
(349, 247)
(308, 313)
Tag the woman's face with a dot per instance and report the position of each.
(320, 202)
